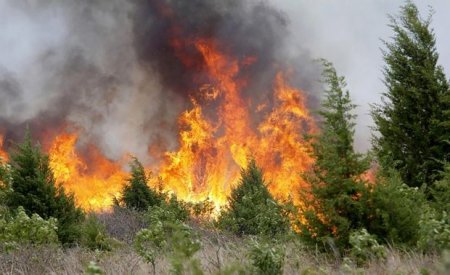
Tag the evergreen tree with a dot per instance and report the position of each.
(333, 203)
(136, 194)
(34, 188)
(252, 210)
(414, 118)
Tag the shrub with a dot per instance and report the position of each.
(267, 258)
(252, 210)
(365, 246)
(34, 188)
(94, 235)
(23, 229)
(394, 210)
(93, 269)
(434, 231)
(167, 234)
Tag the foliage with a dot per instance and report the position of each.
(365, 246)
(34, 188)
(136, 193)
(167, 234)
(414, 118)
(267, 258)
(94, 235)
(23, 229)
(93, 269)
(394, 209)
(334, 203)
(252, 210)
(434, 231)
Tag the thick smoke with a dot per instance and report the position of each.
(108, 68)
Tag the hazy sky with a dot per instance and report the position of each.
(348, 33)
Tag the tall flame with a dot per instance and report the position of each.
(3, 154)
(211, 153)
(94, 184)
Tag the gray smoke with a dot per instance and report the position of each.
(107, 68)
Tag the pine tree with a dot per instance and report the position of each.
(136, 194)
(252, 210)
(332, 205)
(414, 119)
(34, 188)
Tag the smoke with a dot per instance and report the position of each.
(113, 70)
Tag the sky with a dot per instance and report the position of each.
(37, 34)
(348, 33)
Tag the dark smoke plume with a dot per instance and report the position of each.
(109, 69)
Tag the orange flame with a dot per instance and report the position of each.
(94, 184)
(3, 154)
(211, 153)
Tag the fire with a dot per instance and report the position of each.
(94, 183)
(3, 154)
(212, 152)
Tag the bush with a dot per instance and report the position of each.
(267, 258)
(394, 210)
(434, 231)
(167, 234)
(252, 210)
(94, 235)
(365, 247)
(136, 194)
(34, 188)
(23, 229)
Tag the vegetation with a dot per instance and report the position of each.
(252, 210)
(34, 189)
(366, 225)
(334, 203)
(414, 119)
(136, 193)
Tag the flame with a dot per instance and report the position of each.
(3, 154)
(207, 164)
(95, 184)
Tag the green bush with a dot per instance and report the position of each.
(23, 229)
(252, 210)
(94, 235)
(136, 193)
(434, 231)
(267, 258)
(34, 188)
(168, 235)
(93, 269)
(394, 210)
(365, 246)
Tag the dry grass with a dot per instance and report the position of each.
(218, 252)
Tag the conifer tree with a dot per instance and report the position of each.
(34, 188)
(414, 119)
(252, 210)
(333, 205)
(136, 194)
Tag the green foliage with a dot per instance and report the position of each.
(394, 210)
(23, 229)
(365, 246)
(93, 269)
(94, 235)
(168, 235)
(434, 231)
(267, 258)
(34, 188)
(334, 204)
(414, 118)
(136, 193)
(252, 209)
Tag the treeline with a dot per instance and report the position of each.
(407, 206)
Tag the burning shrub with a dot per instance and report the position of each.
(252, 210)
(136, 194)
(34, 188)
